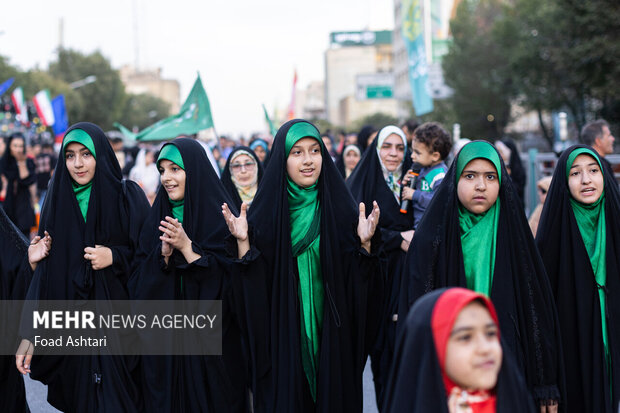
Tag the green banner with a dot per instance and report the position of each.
(272, 129)
(194, 116)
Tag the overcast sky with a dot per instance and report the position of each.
(245, 50)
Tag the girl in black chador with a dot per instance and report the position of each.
(475, 235)
(306, 287)
(15, 275)
(579, 240)
(378, 177)
(19, 174)
(181, 258)
(85, 251)
(449, 359)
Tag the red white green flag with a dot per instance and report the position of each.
(43, 103)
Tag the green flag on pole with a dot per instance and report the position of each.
(194, 116)
(272, 129)
(128, 134)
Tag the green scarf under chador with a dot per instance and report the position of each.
(171, 153)
(591, 222)
(82, 192)
(305, 223)
(479, 231)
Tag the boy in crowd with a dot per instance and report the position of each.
(431, 145)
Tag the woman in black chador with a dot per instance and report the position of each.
(89, 228)
(475, 235)
(182, 258)
(378, 177)
(20, 174)
(15, 275)
(579, 241)
(241, 175)
(306, 286)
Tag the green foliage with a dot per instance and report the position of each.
(143, 110)
(101, 102)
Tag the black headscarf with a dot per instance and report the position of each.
(114, 218)
(226, 175)
(363, 135)
(15, 276)
(416, 384)
(18, 202)
(517, 171)
(576, 295)
(272, 283)
(520, 289)
(191, 383)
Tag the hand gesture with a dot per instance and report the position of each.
(166, 249)
(39, 248)
(407, 236)
(173, 234)
(366, 226)
(100, 257)
(238, 226)
(23, 357)
(407, 193)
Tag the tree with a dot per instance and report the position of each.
(143, 110)
(101, 102)
(475, 68)
(378, 120)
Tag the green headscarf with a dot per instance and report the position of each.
(591, 222)
(171, 152)
(82, 192)
(305, 223)
(479, 229)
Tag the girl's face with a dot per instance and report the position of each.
(392, 152)
(260, 152)
(585, 179)
(80, 163)
(17, 147)
(478, 186)
(172, 178)
(243, 169)
(304, 162)
(351, 158)
(473, 351)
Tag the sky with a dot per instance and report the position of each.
(246, 51)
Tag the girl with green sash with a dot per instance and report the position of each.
(578, 238)
(475, 235)
(306, 286)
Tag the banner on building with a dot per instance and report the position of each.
(413, 36)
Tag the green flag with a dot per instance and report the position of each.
(272, 129)
(194, 116)
(128, 134)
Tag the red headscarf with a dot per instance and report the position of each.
(447, 308)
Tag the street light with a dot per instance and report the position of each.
(82, 82)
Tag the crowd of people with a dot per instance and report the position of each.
(395, 243)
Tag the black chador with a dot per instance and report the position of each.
(306, 291)
(15, 275)
(371, 181)
(516, 282)
(575, 238)
(190, 383)
(108, 212)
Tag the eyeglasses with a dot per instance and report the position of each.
(249, 166)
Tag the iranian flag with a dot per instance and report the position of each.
(43, 103)
(20, 104)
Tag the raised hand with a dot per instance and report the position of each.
(38, 249)
(100, 257)
(238, 226)
(366, 226)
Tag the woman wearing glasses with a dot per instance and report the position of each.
(241, 175)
